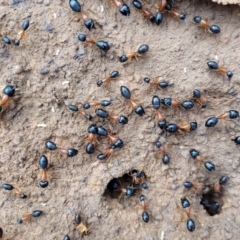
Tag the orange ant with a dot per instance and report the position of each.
(187, 207)
(231, 114)
(219, 184)
(123, 8)
(76, 7)
(21, 34)
(154, 82)
(75, 109)
(104, 114)
(181, 16)
(18, 192)
(104, 46)
(127, 94)
(213, 65)
(196, 186)
(70, 152)
(113, 74)
(138, 177)
(197, 95)
(145, 216)
(188, 126)
(79, 225)
(145, 12)
(165, 158)
(28, 216)
(43, 163)
(202, 23)
(196, 155)
(140, 50)
(114, 185)
(8, 93)
(103, 103)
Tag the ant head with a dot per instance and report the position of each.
(9, 90)
(123, 58)
(89, 24)
(82, 37)
(124, 10)
(229, 74)
(197, 19)
(182, 16)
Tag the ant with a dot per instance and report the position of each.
(26, 217)
(169, 102)
(70, 152)
(140, 50)
(145, 216)
(127, 94)
(75, 109)
(43, 163)
(160, 7)
(8, 93)
(213, 65)
(211, 208)
(188, 126)
(196, 186)
(114, 185)
(18, 192)
(103, 103)
(236, 140)
(231, 114)
(156, 102)
(180, 16)
(109, 151)
(196, 155)
(104, 46)
(145, 12)
(197, 95)
(202, 23)
(154, 82)
(219, 184)
(57, 99)
(173, 128)
(113, 74)
(187, 207)
(138, 177)
(123, 8)
(79, 225)
(76, 7)
(166, 158)
(104, 114)
(92, 131)
(21, 34)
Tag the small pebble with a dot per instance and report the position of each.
(44, 70)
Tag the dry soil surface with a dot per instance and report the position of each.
(50, 56)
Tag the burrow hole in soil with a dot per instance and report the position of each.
(116, 185)
(212, 202)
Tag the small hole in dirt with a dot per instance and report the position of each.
(212, 202)
(124, 186)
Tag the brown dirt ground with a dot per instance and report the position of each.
(78, 184)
